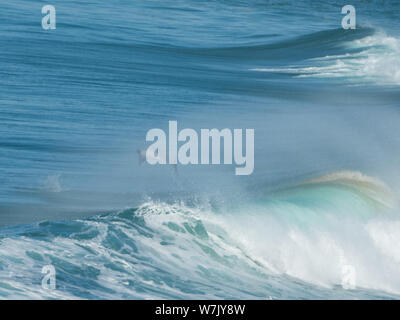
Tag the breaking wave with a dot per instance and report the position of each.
(371, 59)
(291, 243)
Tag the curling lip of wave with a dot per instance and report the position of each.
(371, 191)
(366, 186)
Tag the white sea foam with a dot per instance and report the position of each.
(377, 61)
(293, 245)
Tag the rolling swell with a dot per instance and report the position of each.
(302, 47)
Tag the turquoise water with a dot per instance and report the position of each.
(75, 106)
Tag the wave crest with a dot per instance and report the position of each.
(373, 59)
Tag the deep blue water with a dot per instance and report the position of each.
(76, 103)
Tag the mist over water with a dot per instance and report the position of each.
(75, 106)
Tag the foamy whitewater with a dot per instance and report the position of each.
(374, 59)
(77, 102)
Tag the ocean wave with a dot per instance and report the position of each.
(293, 243)
(373, 59)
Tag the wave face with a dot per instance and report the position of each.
(293, 243)
(76, 107)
